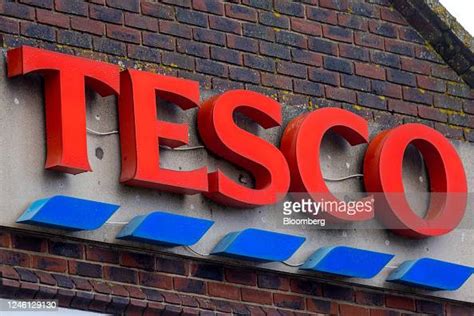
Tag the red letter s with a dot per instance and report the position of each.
(222, 136)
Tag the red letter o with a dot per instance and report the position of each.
(383, 165)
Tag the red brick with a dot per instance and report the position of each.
(85, 269)
(225, 25)
(415, 65)
(400, 302)
(8, 272)
(291, 69)
(341, 94)
(321, 306)
(443, 72)
(47, 4)
(353, 52)
(50, 18)
(241, 276)
(100, 303)
(189, 285)
(157, 10)
(135, 307)
(368, 40)
(211, 6)
(82, 284)
(369, 298)
(123, 275)
(207, 271)
(154, 308)
(321, 15)
(370, 71)
(276, 81)
(403, 107)
(129, 5)
(334, 4)
(242, 43)
(350, 310)
(141, 22)
(76, 7)
(392, 15)
(46, 293)
(306, 57)
(27, 291)
(353, 22)
(223, 290)
(256, 296)
(173, 266)
(176, 29)
(87, 25)
(273, 281)
(82, 300)
(123, 34)
(135, 292)
(5, 240)
(157, 280)
(387, 89)
(450, 131)
(9, 26)
(172, 298)
(118, 289)
(49, 263)
(137, 260)
(64, 297)
(240, 12)
(45, 278)
(29, 243)
(306, 27)
(431, 83)
(303, 286)
(457, 310)
(101, 287)
(399, 47)
(188, 300)
(337, 33)
(288, 301)
(71, 250)
(430, 113)
(101, 254)
(17, 10)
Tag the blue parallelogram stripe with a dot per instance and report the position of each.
(258, 245)
(67, 213)
(347, 262)
(431, 274)
(166, 229)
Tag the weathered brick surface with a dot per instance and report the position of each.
(108, 279)
(204, 39)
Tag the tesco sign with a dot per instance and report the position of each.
(293, 167)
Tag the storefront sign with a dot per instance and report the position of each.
(293, 167)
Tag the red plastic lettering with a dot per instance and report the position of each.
(301, 142)
(65, 79)
(141, 132)
(383, 173)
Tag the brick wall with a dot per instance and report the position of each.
(110, 279)
(359, 55)
(362, 56)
